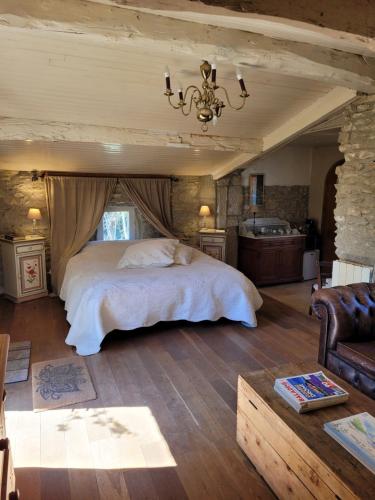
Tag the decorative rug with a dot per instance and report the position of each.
(18, 362)
(61, 382)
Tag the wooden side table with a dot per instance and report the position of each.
(213, 243)
(24, 268)
(293, 453)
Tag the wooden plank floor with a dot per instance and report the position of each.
(295, 295)
(163, 425)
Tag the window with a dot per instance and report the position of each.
(117, 224)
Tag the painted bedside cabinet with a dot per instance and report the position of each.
(213, 243)
(24, 268)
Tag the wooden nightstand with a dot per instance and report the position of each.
(213, 243)
(24, 268)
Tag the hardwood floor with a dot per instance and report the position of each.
(164, 423)
(296, 295)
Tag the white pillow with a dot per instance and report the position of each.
(183, 255)
(149, 253)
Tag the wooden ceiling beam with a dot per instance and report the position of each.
(162, 35)
(40, 130)
(344, 16)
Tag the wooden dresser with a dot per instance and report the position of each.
(271, 260)
(7, 480)
(24, 269)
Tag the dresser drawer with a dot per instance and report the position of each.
(219, 240)
(282, 242)
(30, 248)
(213, 244)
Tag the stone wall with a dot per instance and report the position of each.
(17, 194)
(188, 194)
(287, 202)
(355, 198)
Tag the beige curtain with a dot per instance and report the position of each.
(75, 205)
(153, 198)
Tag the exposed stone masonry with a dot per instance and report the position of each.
(355, 198)
(17, 194)
(287, 202)
(188, 194)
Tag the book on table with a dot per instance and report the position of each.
(357, 435)
(310, 391)
(13, 237)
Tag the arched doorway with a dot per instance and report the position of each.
(328, 228)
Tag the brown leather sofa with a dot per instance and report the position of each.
(347, 333)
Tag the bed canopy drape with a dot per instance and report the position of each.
(153, 198)
(75, 206)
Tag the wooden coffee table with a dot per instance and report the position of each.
(293, 453)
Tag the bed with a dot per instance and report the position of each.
(100, 298)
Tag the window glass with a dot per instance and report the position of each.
(116, 225)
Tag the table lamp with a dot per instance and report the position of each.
(34, 214)
(204, 212)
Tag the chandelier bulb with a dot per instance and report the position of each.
(214, 121)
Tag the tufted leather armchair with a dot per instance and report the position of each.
(347, 333)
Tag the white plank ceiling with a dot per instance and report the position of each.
(51, 77)
(58, 77)
(109, 158)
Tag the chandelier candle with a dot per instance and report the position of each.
(180, 93)
(242, 85)
(208, 104)
(213, 75)
(167, 82)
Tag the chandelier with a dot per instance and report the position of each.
(209, 106)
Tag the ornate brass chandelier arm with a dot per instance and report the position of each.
(236, 108)
(195, 90)
(174, 106)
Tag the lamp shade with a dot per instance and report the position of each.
(204, 211)
(34, 213)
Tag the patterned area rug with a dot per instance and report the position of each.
(18, 362)
(61, 382)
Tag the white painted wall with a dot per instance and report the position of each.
(323, 157)
(289, 166)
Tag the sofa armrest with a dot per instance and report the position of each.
(346, 313)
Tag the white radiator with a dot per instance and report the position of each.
(345, 273)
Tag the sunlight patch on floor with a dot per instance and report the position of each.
(88, 438)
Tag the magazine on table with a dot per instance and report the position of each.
(310, 391)
(357, 435)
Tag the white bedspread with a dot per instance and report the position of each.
(100, 298)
